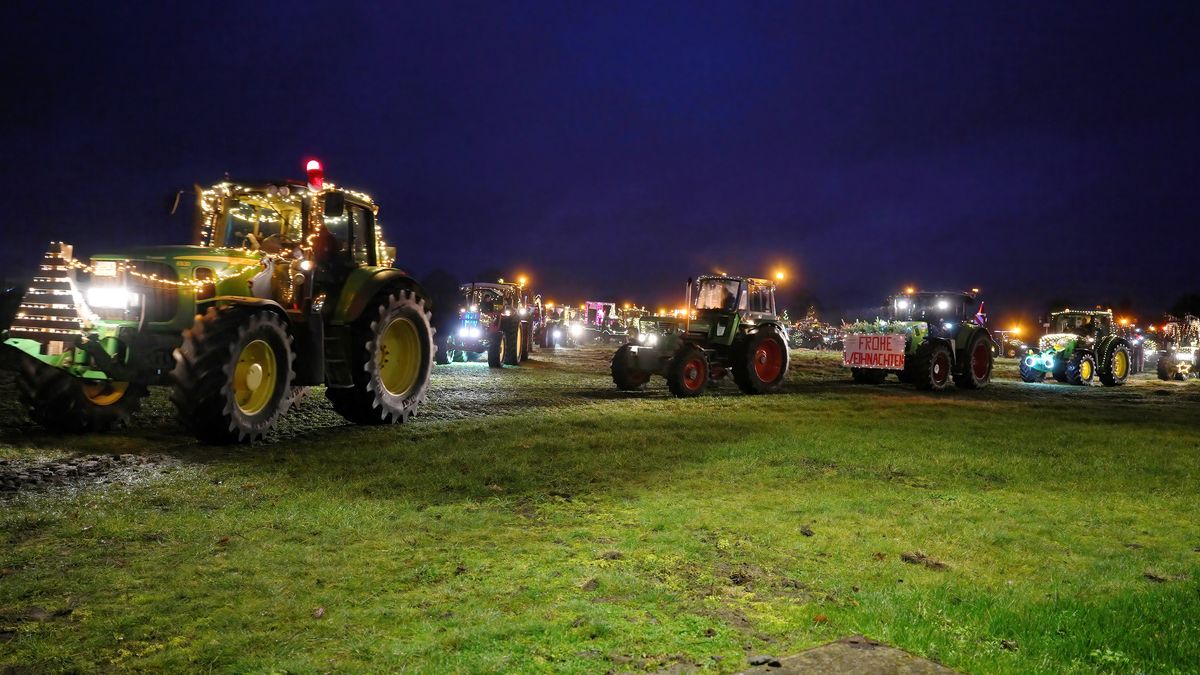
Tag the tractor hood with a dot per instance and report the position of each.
(1058, 342)
(190, 255)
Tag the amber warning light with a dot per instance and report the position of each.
(316, 175)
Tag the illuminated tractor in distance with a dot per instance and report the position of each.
(925, 338)
(601, 322)
(287, 284)
(733, 329)
(493, 320)
(1082, 345)
(560, 328)
(1179, 358)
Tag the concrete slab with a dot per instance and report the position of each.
(852, 655)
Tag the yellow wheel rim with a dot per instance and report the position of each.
(1085, 371)
(254, 377)
(104, 392)
(1120, 364)
(399, 356)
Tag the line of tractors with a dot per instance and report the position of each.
(289, 284)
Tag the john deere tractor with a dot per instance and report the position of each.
(924, 338)
(1180, 355)
(732, 328)
(286, 284)
(1081, 346)
(494, 319)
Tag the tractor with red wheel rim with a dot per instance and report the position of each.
(731, 329)
(928, 339)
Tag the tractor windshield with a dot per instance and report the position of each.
(251, 218)
(1079, 324)
(717, 294)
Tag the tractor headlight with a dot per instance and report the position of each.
(651, 340)
(111, 297)
(557, 334)
(642, 338)
(1183, 356)
(474, 332)
(1048, 361)
(576, 330)
(1030, 360)
(464, 331)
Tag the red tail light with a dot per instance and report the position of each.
(316, 175)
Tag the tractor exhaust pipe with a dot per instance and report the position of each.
(687, 307)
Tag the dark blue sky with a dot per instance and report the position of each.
(1037, 150)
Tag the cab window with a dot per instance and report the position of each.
(759, 299)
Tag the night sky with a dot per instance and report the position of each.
(609, 149)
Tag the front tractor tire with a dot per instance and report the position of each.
(391, 362)
(1081, 369)
(59, 401)
(977, 362)
(761, 362)
(233, 375)
(1029, 373)
(497, 351)
(931, 367)
(687, 374)
(1116, 366)
(624, 375)
(514, 341)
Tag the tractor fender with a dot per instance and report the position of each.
(364, 284)
(948, 343)
(1104, 348)
(243, 301)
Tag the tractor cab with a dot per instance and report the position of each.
(1091, 324)
(723, 303)
(932, 307)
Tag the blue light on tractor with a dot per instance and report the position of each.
(1048, 361)
(1029, 360)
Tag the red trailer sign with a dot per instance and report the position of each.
(884, 351)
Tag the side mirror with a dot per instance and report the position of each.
(335, 205)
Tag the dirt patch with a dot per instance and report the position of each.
(19, 476)
(920, 558)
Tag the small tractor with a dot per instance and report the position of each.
(287, 284)
(494, 319)
(1081, 346)
(924, 338)
(731, 328)
(1179, 358)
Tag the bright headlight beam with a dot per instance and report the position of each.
(110, 297)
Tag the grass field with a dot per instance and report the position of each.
(535, 519)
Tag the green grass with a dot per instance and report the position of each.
(580, 530)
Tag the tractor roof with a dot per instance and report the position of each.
(1083, 312)
(487, 284)
(730, 277)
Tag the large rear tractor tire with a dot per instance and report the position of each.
(868, 375)
(391, 362)
(624, 375)
(444, 354)
(1117, 366)
(496, 348)
(977, 362)
(513, 339)
(526, 342)
(1081, 369)
(233, 375)
(687, 374)
(59, 401)
(760, 363)
(931, 367)
(1029, 373)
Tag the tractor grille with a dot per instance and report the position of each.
(161, 298)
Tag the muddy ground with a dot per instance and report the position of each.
(33, 459)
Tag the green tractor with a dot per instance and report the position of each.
(924, 338)
(1081, 346)
(288, 285)
(732, 328)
